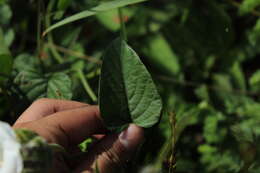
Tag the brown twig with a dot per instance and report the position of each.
(76, 54)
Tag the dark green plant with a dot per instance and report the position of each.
(202, 55)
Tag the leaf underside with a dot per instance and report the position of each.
(127, 93)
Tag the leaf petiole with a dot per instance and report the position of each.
(122, 23)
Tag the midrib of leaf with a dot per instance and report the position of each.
(122, 74)
(102, 7)
(112, 65)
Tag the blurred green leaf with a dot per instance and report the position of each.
(254, 81)
(110, 19)
(242, 133)
(254, 35)
(6, 61)
(63, 4)
(25, 62)
(248, 5)
(238, 77)
(5, 14)
(3, 47)
(206, 30)
(223, 83)
(161, 55)
(9, 37)
(6, 64)
(189, 117)
(203, 93)
(211, 131)
(36, 85)
(93, 11)
(2, 2)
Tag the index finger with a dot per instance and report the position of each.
(70, 127)
(44, 107)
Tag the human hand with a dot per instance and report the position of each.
(68, 123)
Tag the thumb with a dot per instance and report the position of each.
(114, 151)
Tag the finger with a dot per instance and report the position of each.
(113, 151)
(69, 127)
(44, 107)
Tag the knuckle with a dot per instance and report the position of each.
(115, 156)
(111, 158)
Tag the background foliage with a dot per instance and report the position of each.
(203, 56)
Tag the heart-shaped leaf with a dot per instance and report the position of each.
(127, 93)
(37, 85)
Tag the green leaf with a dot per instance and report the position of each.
(6, 61)
(2, 2)
(6, 64)
(127, 93)
(25, 62)
(254, 34)
(93, 11)
(248, 5)
(37, 85)
(254, 81)
(189, 117)
(242, 133)
(3, 47)
(59, 86)
(238, 77)
(63, 4)
(5, 14)
(9, 37)
(203, 32)
(202, 92)
(161, 55)
(110, 19)
(211, 132)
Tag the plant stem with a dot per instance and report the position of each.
(60, 60)
(54, 52)
(172, 157)
(86, 85)
(122, 23)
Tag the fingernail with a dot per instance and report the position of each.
(130, 137)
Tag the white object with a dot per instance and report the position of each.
(10, 157)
